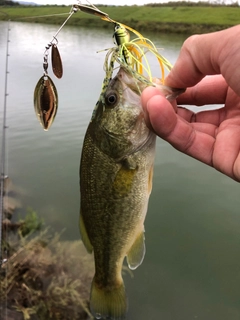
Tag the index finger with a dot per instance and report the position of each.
(210, 90)
(201, 55)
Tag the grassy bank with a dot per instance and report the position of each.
(190, 19)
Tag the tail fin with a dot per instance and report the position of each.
(108, 303)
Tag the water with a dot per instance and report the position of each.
(191, 269)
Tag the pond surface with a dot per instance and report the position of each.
(192, 264)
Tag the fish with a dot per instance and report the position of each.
(116, 171)
(45, 101)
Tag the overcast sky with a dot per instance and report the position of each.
(108, 2)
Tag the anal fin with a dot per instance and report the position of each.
(84, 236)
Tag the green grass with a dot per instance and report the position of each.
(201, 15)
(162, 18)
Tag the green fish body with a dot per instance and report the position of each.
(115, 182)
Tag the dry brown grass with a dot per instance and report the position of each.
(46, 279)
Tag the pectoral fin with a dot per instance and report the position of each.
(124, 180)
(136, 254)
(150, 177)
(84, 236)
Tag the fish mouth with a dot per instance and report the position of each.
(132, 80)
(137, 83)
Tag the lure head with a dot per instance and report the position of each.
(121, 39)
(121, 35)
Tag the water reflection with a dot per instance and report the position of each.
(191, 268)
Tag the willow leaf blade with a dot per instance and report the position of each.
(56, 62)
(45, 101)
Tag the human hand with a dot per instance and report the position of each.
(208, 66)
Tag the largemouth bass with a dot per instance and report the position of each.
(115, 182)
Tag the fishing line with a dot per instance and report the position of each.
(46, 15)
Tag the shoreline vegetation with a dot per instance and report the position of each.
(41, 276)
(175, 17)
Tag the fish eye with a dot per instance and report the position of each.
(111, 99)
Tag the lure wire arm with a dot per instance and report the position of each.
(55, 41)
